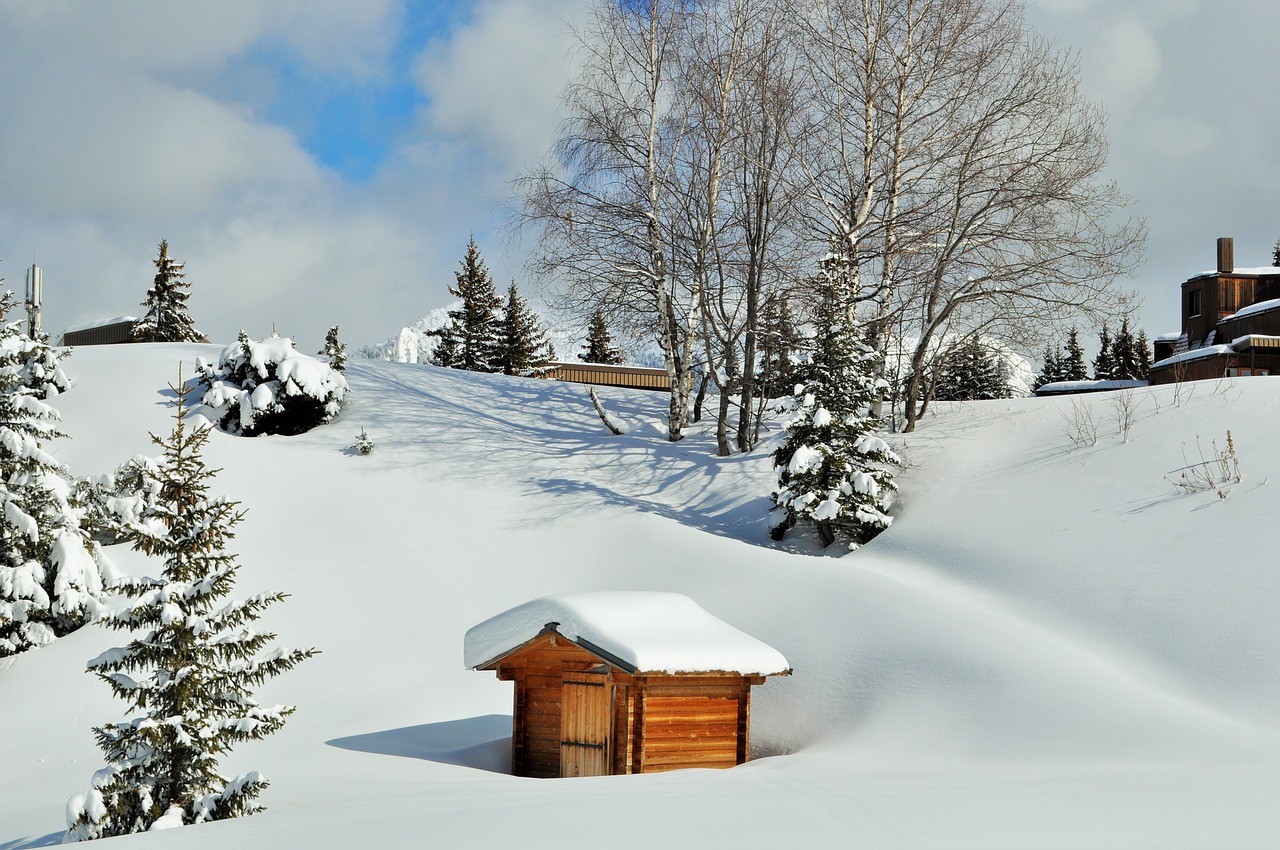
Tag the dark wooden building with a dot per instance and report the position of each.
(625, 682)
(1230, 324)
(107, 332)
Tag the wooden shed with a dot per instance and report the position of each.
(623, 682)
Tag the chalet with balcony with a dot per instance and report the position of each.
(1230, 324)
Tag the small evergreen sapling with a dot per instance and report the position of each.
(335, 351)
(364, 445)
(190, 667)
(832, 468)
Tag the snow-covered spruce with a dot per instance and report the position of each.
(832, 468)
(189, 669)
(122, 500)
(267, 387)
(38, 364)
(364, 445)
(167, 319)
(51, 573)
(335, 350)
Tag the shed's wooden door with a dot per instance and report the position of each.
(584, 725)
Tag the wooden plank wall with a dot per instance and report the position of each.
(633, 377)
(690, 723)
(535, 743)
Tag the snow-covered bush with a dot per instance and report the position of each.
(37, 365)
(267, 387)
(189, 669)
(51, 574)
(122, 500)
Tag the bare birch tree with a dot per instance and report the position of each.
(607, 209)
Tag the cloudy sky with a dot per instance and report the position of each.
(325, 161)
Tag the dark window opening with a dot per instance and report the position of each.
(1193, 303)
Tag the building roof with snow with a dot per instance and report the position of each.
(638, 631)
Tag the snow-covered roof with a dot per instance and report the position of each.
(1087, 386)
(1260, 307)
(1256, 271)
(649, 632)
(1169, 337)
(100, 323)
(1194, 354)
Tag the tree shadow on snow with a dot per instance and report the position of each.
(51, 840)
(483, 743)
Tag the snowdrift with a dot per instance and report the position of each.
(1053, 646)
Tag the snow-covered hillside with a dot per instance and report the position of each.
(1051, 647)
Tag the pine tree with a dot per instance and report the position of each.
(971, 373)
(51, 574)
(335, 351)
(470, 340)
(1073, 367)
(523, 348)
(1144, 355)
(832, 468)
(190, 669)
(1051, 370)
(167, 319)
(1275, 254)
(1104, 365)
(779, 341)
(599, 347)
(1124, 356)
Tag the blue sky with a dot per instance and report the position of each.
(326, 161)
(352, 124)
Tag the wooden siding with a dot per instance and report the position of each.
(1211, 368)
(632, 377)
(574, 714)
(1222, 295)
(538, 670)
(111, 334)
(1266, 323)
(690, 722)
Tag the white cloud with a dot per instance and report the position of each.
(496, 83)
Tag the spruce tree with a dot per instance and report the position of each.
(1275, 254)
(190, 668)
(1051, 369)
(1144, 355)
(599, 347)
(167, 319)
(470, 340)
(779, 341)
(1072, 366)
(1104, 365)
(1124, 356)
(335, 351)
(971, 373)
(523, 348)
(51, 574)
(832, 468)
